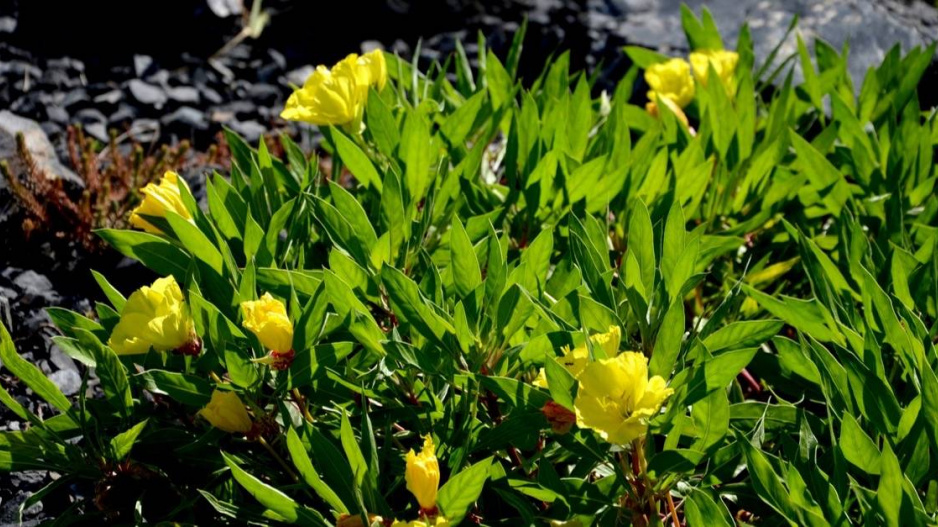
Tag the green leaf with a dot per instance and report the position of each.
(857, 447)
(412, 307)
(466, 274)
(272, 498)
(124, 441)
(195, 241)
(766, 483)
(112, 373)
(702, 511)
(668, 341)
(458, 495)
(186, 389)
(353, 451)
(560, 382)
(305, 467)
(744, 334)
(642, 247)
(155, 252)
(415, 152)
(113, 295)
(356, 160)
(30, 375)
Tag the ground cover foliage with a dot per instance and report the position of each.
(479, 274)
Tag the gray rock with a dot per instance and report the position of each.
(61, 360)
(67, 380)
(90, 116)
(33, 285)
(186, 116)
(251, 131)
(211, 95)
(43, 153)
(148, 94)
(57, 114)
(7, 24)
(183, 94)
(98, 131)
(110, 97)
(143, 65)
(225, 8)
(298, 76)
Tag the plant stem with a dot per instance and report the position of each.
(677, 522)
(279, 459)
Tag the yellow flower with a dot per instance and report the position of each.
(337, 96)
(267, 318)
(423, 475)
(154, 316)
(226, 412)
(437, 521)
(374, 63)
(326, 98)
(724, 63)
(616, 398)
(671, 80)
(577, 358)
(158, 200)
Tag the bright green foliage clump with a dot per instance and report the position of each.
(774, 261)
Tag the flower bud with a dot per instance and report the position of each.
(423, 475)
(158, 200)
(561, 419)
(226, 412)
(267, 319)
(154, 316)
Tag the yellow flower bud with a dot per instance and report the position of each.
(267, 318)
(616, 398)
(723, 62)
(158, 200)
(671, 80)
(154, 316)
(423, 475)
(226, 412)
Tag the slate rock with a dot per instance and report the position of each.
(143, 65)
(298, 76)
(148, 94)
(225, 8)
(251, 131)
(43, 153)
(57, 114)
(69, 381)
(111, 97)
(186, 116)
(33, 285)
(183, 94)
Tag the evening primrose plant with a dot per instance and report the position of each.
(526, 301)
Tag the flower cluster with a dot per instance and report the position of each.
(671, 82)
